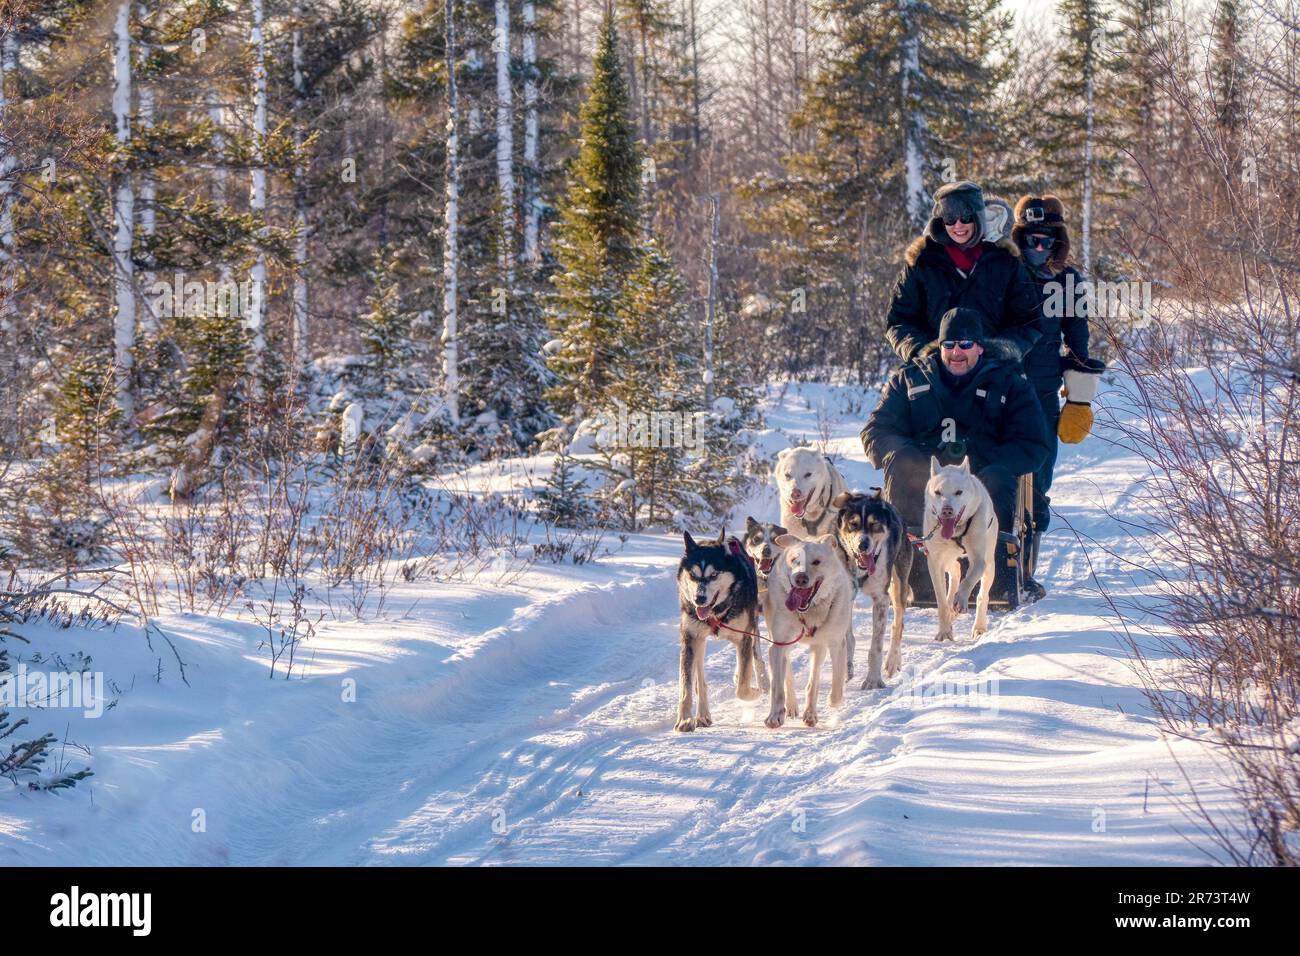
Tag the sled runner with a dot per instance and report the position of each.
(1012, 557)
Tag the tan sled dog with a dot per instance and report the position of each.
(809, 603)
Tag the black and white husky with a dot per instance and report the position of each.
(874, 539)
(717, 588)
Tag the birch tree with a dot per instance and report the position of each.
(148, 185)
(451, 225)
(505, 144)
(532, 202)
(257, 198)
(8, 170)
(123, 220)
(913, 119)
(1089, 141)
(301, 350)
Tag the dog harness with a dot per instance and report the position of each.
(957, 537)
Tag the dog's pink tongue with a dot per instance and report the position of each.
(703, 612)
(798, 599)
(948, 526)
(797, 507)
(867, 562)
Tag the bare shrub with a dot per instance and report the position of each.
(1213, 388)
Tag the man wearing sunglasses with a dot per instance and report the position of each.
(955, 264)
(1040, 232)
(955, 402)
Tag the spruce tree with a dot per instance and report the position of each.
(596, 237)
(651, 381)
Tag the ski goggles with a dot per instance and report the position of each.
(965, 219)
(963, 344)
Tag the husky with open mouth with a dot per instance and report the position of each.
(959, 522)
(874, 538)
(717, 589)
(760, 545)
(810, 603)
(807, 481)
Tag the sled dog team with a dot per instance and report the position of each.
(802, 576)
(984, 364)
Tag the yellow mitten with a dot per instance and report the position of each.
(1076, 422)
(1080, 389)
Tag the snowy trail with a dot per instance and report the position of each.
(598, 775)
(532, 724)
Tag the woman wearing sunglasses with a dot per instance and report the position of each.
(1044, 241)
(953, 264)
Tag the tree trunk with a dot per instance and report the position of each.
(711, 314)
(8, 164)
(695, 77)
(1089, 80)
(450, 247)
(532, 204)
(505, 145)
(124, 223)
(220, 178)
(913, 119)
(148, 190)
(257, 199)
(301, 350)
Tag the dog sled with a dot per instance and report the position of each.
(1015, 561)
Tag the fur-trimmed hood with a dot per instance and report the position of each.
(913, 253)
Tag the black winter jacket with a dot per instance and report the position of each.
(929, 285)
(995, 412)
(1043, 364)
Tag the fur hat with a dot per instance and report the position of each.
(961, 323)
(956, 199)
(1046, 215)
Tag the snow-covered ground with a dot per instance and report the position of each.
(527, 719)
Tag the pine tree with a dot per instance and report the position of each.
(596, 237)
(563, 499)
(652, 376)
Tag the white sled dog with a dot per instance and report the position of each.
(809, 602)
(807, 481)
(959, 522)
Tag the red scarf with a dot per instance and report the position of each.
(965, 259)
